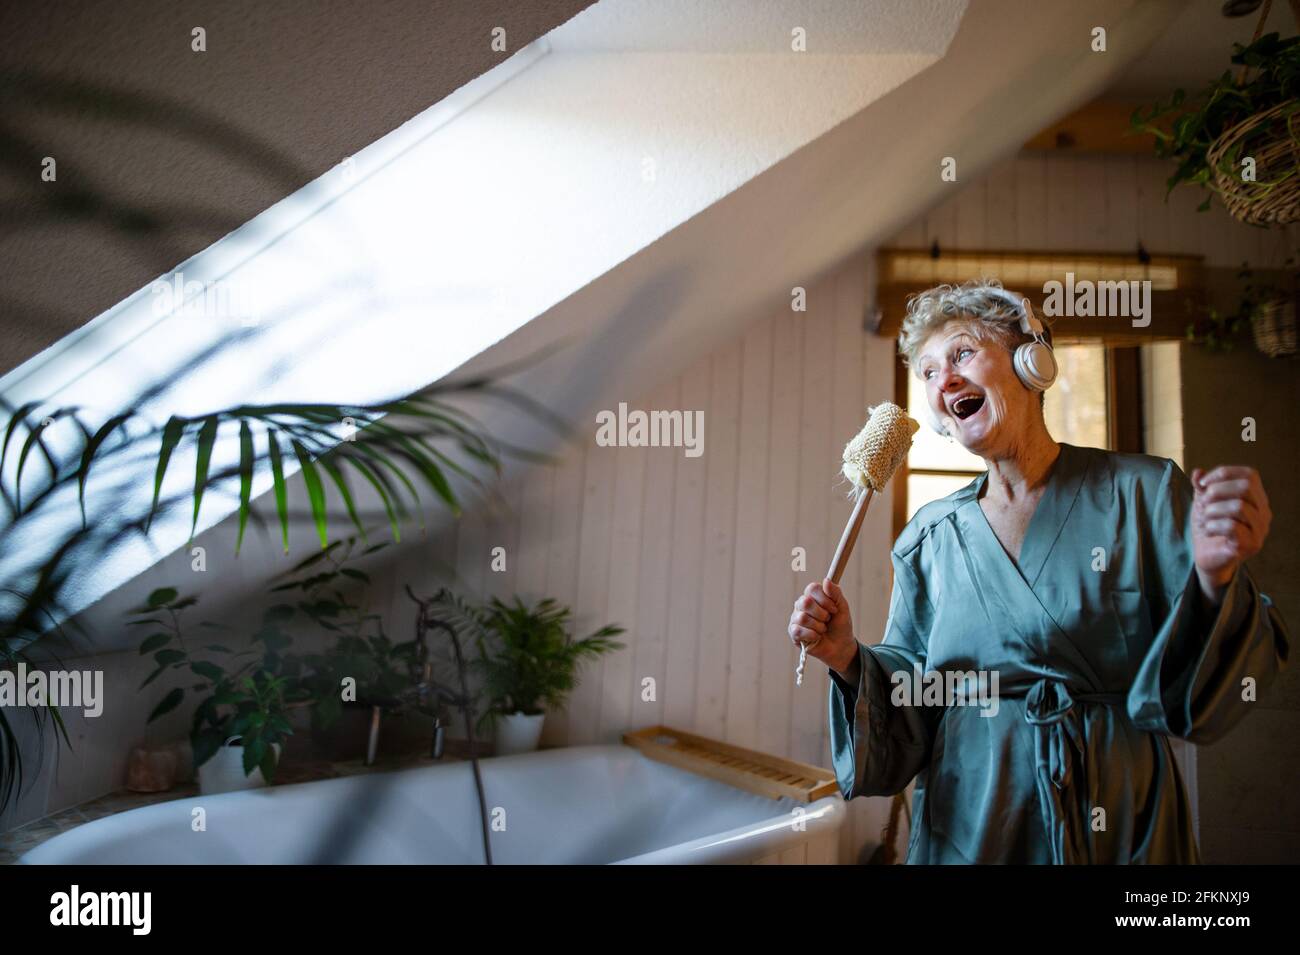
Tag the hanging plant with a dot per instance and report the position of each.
(1212, 136)
(1265, 308)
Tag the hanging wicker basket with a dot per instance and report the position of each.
(1274, 328)
(1272, 139)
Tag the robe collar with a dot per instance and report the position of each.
(1045, 526)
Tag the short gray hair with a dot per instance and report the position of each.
(987, 316)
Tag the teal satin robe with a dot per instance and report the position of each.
(1096, 669)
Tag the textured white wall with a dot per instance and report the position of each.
(379, 279)
(191, 145)
(693, 554)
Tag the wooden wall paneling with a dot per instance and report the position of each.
(656, 579)
(1276, 244)
(819, 458)
(1001, 205)
(1153, 213)
(472, 550)
(941, 221)
(503, 531)
(1240, 243)
(536, 511)
(618, 695)
(1185, 221)
(443, 569)
(685, 637)
(778, 581)
(717, 575)
(1061, 202)
(972, 213)
(1121, 203)
(747, 624)
(848, 418)
(1031, 201)
(471, 570)
(563, 548)
(1090, 203)
(593, 604)
(1214, 240)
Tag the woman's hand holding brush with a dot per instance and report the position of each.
(822, 620)
(821, 624)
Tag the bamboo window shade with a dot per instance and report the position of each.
(1177, 287)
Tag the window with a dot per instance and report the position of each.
(1098, 400)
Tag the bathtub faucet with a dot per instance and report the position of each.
(429, 694)
(427, 687)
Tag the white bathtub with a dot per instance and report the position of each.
(585, 804)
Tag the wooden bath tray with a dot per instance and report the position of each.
(756, 772)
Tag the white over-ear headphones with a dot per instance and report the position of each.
(1034, 362)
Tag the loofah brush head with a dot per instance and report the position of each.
(876, 451)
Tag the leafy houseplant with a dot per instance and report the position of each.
(252, 699)
(1218, 332)
(362, 668)
(361, 653)
(246, 695)
(1209, 136)
(529, 662)
(395, 447)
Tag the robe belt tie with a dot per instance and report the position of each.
(1050, 710)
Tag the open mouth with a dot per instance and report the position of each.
(967, 405)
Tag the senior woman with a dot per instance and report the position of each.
(1107, 593)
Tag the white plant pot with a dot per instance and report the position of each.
(224, 772)
(517, 733)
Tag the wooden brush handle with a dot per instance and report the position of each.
(849, 537)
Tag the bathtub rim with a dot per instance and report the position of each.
(736, 844)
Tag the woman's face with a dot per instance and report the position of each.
(973, 391)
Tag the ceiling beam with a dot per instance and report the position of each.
(1101, 126)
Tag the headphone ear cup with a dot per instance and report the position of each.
(1035, 365)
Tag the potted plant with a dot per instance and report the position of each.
(1272, 311)
(1266, 308)
(529, 662)
(1218, 331)
(239, 733)
(362, 669)
(400, 449)
(1231, 120)
(242, 720)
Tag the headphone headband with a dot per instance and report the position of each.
(1029, 323)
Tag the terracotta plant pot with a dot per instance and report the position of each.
(151, 770)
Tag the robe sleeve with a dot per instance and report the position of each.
(876, 747)
(1192, 681)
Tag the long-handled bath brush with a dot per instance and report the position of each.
(870, 459)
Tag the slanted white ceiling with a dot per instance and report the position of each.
(763, 179)
(756, 26)
(387, 274)
(1196, 49)
(1014, 67)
